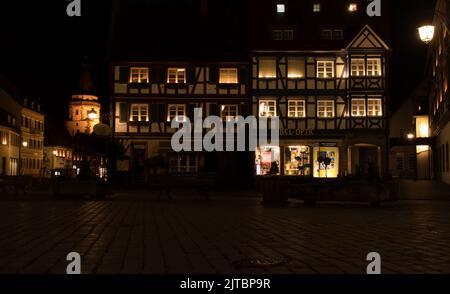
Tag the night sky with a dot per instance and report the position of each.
(42, 49)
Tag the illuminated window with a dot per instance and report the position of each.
(228, 76)
(316, 7)
(176, 76)
(229, 112)
(267, 68)
(267, 108)
(374, 67)
(177, 112)
(374, 107)
(352, 7)
(358, 68)
(139, 112)
(325, 109)
(358, 107)
(4, 137)
(139, 75)
(296, 108)
(296, 68)
(267, 160)
(281, 8)
(325, 69)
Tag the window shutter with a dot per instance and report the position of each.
(214, 109)
(244, 110)
(123, 111)
(162, 76)
(154, 75)
(154, 113)
(190, 75)
(243, 76)
(162, 112)
(213, 75)
(124, 74)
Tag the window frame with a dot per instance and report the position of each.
(139, 74)
(173, 75)
(358, 109)
(299, 106)
(326, 103)
(375, 68)
(272, 104)
(176, 115)
(140, 114)
(325, 65)
(226, 111)
(371, 107)
(232, 81)
(359, 67)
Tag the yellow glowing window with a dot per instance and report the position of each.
(229, 112)
(228, 76)
(139, 112)
(267, 108)
(374, 67)
(176, 76)
(296, 108)
(316, 7)
(139, 75)
(325, 109)
(358, 67)
(374, 107)
(325, 69)
(267, 68)
(176, 112)
(358, 107)
(296, 68)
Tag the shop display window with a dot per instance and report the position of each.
(267, 160)
(297, 161)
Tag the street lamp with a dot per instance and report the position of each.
(92, 114)
(410, 136)
(426, 33)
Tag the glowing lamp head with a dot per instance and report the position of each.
(410, 136)
(92, 115)
(25, 144)
(426, 33)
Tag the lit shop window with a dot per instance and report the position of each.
(139, 112)
(374, 107)
(374, 67)
(297, 161)
(177, 112)
(176, 75)
(325, 69)
(228, 76)
(358, 67)
(325, 109)
(267, 108)
(267, 68)
(296, 68)
(358, 107)
(326, 161)
(296, 108)
(267, 160)
(139, 75)
(229, 112)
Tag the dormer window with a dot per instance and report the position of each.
(139, 75)
(281, 8)
(316, 7)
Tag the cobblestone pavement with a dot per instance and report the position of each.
(136, 233)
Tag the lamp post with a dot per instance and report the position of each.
(426, 32)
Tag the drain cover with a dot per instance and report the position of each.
(259, 262)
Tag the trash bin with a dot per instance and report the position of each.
(273, 189)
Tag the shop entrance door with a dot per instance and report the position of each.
(138, 159)
(368, 161)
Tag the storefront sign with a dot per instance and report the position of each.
(297, 132)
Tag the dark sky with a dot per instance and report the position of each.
(42, 49)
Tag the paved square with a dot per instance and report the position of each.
(134, 233)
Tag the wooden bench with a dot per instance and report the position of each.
(15, 183)
(202, 182)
